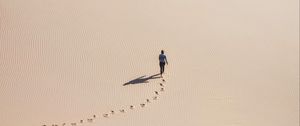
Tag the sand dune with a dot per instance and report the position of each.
(231, 63)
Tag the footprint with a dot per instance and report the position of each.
(163, 80)
(162, 89)
(112, 112)
(155, 98)
(81, 121)
(63, 124)
(131, 107)
(122, 110)
(161, 84)
(156, 92)
(148, 101)
(105, 115)
(73, 124)
(90, 120)
(143, 105)
(94, 116)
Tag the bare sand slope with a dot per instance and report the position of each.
(232, 63)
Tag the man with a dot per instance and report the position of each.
(162, 62)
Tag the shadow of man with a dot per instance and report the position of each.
(142, 79)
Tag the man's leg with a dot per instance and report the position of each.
(161, 68)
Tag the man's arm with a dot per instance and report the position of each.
(166, 60)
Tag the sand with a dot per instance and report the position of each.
(231, 63)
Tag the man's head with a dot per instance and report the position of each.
(162, 52)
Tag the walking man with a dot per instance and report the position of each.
(162, 62)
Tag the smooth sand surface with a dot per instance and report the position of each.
(232, 62)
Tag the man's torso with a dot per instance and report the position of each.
(162, 58)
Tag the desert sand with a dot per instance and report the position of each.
(231, 63)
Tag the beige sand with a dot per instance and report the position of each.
(232, 62)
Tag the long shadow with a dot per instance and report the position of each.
(142, 79)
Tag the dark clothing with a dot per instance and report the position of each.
(162, 58)
(162, 62)
(162, 67)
